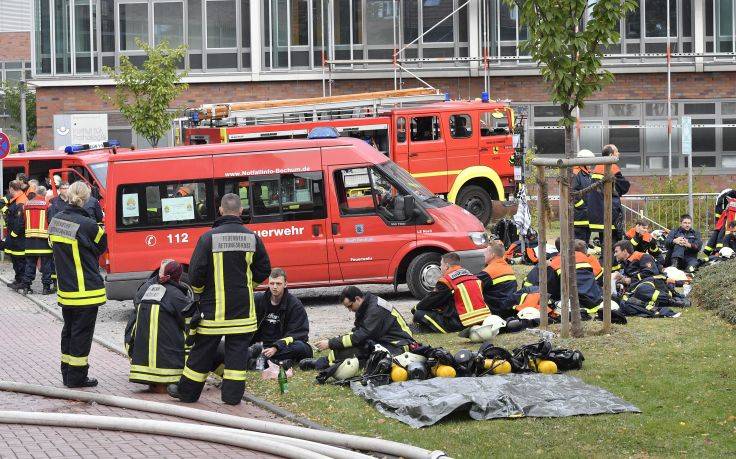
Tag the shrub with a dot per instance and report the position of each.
(713, 290)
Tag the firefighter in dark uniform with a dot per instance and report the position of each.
(498, 281)
(283, 326)
(722, 202)
(595, 197)
(77, 243)
(376, 322)
(581, 179)
(683, 245)
(38, 251)
(155, 334)
(643, 241)
(589, 275)
(455, 303)
(15, 240)
(529, 257)
(228, 263)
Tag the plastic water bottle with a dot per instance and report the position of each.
(261, 363)
(543, 334)
(283, 381)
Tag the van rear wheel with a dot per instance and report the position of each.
(477, 201)
(423, 273)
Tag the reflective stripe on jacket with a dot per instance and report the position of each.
(467, 293)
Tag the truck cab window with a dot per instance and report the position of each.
(494, 123)
(461, 126)
(425, 128)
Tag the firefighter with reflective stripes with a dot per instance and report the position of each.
(155, 334)
(530, 249)
(722, 203)
(581, 179)
(595, 197)
(498, 281)
(77, 244)
(589, 276)
(643, 241)
(455, 303)
(38, 251)
(376, 322)
(15, 241)
(228, 263)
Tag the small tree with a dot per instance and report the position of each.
(11, 96)
(144, 95)
(567, 40)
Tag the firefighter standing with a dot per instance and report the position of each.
(582, 179)
(77, 244)
(456, 301)
(228, 263)
(498, 281)
(15, 241)
(38, 251)
(595, 197)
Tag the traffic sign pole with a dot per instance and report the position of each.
(4, 145)
(687, 149)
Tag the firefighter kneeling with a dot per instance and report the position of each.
(228, 263)
(77, 243)
(455, 303)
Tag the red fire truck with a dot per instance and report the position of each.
(330, 210)
(462, 150)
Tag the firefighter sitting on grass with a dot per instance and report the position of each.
(643, 241)
(376, 322)
(498, 281)
(455, 303)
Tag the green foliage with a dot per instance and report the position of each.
(712, 290)
(567, 39)
(11, 96)
(144, 95)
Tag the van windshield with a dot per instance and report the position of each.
(401, 176)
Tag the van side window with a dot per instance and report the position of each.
(364, 191)
(424, 128)
(401, 129)
(493, 123)
(461, 127)
(276, 198)
(163, 205)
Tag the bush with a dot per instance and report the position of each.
(713, 290)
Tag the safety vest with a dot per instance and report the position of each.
(37, 225)
(468, 295)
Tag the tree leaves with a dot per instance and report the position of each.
(144, 95)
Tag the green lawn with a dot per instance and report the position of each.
(679, 372)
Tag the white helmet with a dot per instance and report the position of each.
(497, 322)
(349, 368)
(675, 274)
(586, 154)
(529, 313)
(408, 357)
(726, 252)
(482, 333)
(614, 306)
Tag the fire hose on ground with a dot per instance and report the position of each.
(289, 441)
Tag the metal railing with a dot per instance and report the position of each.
(664, 210)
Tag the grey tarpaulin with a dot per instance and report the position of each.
(423, 403)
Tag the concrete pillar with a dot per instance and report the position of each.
(256, 39)
(699, 32)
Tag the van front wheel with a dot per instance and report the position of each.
(475, 200)
(423, 273)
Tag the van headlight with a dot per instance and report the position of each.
(479, 238)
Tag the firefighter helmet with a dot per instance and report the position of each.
(529, 313)
(408, 358)
(614, 306)
(586, 154)
(726, 252)
(399, 373)
(675, 274)
(489, 330)
(349, 368)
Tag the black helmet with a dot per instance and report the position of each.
(465, 362)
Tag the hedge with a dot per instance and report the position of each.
(714, 289)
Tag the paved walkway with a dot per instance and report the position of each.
(30, 353)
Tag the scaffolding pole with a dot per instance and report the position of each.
(669, 96)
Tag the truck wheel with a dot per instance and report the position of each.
(423, 273)
(475, 200)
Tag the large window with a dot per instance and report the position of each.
(168, 23)
(132, 25)
(164, 205)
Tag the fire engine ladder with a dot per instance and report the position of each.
(362, 105)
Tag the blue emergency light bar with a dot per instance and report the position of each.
(71, 149)
(484, 97)
(325, 132)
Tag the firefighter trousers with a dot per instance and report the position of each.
(437, 322)
(582, 233)
(712, 243)
(19, 267)
(296, 351)
(76, 341)
(46, 266)
(201, 360)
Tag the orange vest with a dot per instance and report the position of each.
(500, 271)
(467, 292)
(36, 213)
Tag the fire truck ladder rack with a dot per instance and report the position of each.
(360, 105)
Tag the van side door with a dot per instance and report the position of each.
(367, 224)
(427, 152)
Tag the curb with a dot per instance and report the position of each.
(257, 401)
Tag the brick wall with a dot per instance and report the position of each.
(15, 46)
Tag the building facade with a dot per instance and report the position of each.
(264, 49)
(15, 46)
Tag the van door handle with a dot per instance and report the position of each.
(483, 149)
(413, 155)
(335, 228)
(316, 230)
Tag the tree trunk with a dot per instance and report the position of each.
(572, 286)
